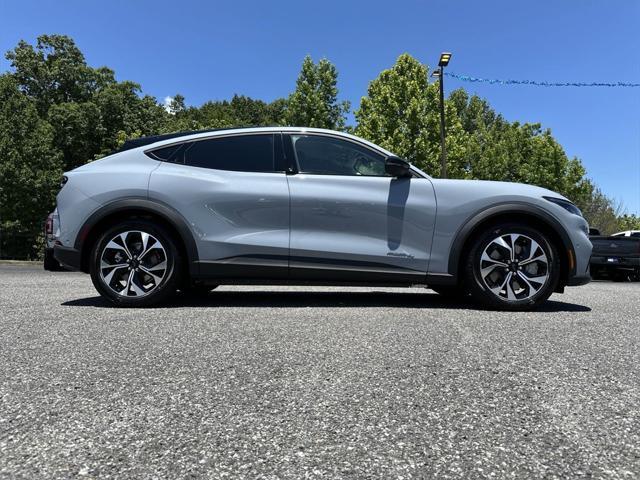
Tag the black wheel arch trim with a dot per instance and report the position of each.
(515, 208)
(154, 207)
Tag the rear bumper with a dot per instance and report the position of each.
(67, 256)
(619, 263)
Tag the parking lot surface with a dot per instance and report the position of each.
(295, 382)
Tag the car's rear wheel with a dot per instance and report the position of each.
(512, 267)
(135, 264)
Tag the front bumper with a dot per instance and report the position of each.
(578, 280)
(67, 256)
(579, 250)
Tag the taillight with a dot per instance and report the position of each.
(48, 225)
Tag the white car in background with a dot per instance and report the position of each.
(627, 233)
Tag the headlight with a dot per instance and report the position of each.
(567, 205)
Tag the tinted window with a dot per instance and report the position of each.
(332, 156)
(243, 153)
(635, 234)
(165, 153)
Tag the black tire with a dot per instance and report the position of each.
(620, 276)
(596, 275)
(480, 290)
(163, 289)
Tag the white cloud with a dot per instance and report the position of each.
(167, 103)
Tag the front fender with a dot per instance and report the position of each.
(485, 216)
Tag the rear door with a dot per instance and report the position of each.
(352, 222)
(232, 191)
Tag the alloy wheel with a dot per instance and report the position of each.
(133, 263)
(514, 267)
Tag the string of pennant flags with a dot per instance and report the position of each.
(494, 81)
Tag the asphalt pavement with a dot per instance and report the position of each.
(301, 382)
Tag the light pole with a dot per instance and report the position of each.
(444, 61)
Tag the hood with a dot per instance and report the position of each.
(495, 189)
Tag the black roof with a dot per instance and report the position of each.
(142, 141)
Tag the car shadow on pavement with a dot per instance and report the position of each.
(279, 299)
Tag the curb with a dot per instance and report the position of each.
(20, 262)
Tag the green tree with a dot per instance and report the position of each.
(241, 111)
(629, 222)
(88, 109)
(401, 114)
(601, 212)
(177, 104)
(498, 150)
(123, 110)
(30, 167)
(55, 71)
(314, 103)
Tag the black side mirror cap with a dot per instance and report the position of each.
(397, 167)
(594, 232)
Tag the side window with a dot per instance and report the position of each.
(241, 153)
(165, 154)
(332, 156)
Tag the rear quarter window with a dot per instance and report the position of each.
(165, 154)
(241, 153)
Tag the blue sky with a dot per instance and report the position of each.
(211, 50)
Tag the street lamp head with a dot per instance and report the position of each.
(435, 73)
(444, 59)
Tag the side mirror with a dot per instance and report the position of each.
(397, 167)
(594, 232)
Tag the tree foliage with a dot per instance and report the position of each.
(629, 222)
(602, 212)
(30, 165)
(499, 150)
(314, 103)
(241, 111)
(86, 107)
(401, 114)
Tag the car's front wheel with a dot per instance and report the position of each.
(512, 267)
(135, 264)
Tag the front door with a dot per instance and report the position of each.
(352, 222)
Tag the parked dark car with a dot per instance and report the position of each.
(616, 257)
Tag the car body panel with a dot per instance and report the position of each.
(263, 222)
(460, 201)
(365, 223)
(97, 183)
(235, 217)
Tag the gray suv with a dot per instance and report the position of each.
(306, 206)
